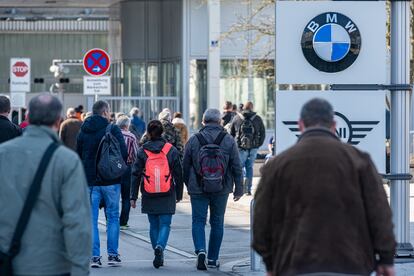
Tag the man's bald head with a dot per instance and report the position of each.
(45, 110)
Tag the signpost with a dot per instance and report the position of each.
(20, 75)
(331, 42)
(344, 43)
(365, 130)
(19, 83)
(96, 63)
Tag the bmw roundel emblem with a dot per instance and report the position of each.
(331, 42)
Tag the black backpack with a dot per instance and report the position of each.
(212, 164)
(247, 133)
(109, 162)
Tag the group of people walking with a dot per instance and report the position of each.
(320, 207)
(120, 157)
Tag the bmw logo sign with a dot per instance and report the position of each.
(331, 42)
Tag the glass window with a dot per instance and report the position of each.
(134, 79)
(198, 92)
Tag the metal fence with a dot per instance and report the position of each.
(150, 107)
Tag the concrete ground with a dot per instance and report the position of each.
(137, 255)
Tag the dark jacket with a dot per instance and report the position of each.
(233, 171)
(69, 131)
(8, 130)
(139, 125)
(260, 131)
(92, 131)
(227, 117)
(163, 204)
(171, 134)
(321, 207)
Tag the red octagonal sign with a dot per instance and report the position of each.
(20, 69)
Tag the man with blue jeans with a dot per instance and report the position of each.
(90, 136)
(201, 200)
(248, 129)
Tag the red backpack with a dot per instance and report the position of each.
(157, 176)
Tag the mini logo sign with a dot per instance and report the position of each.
(351, 132)
(20, 69)
(331, 42)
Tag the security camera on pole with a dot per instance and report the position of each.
(96, 63)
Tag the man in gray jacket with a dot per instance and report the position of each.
(57, 239)
(203, 197)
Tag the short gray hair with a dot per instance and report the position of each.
(134, 111)
(212, 115)
(70, 112)
(44, 109)
(317, 113)
(123, 122)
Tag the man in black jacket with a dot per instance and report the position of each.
(248, 129)
(90, 136)
(8, 130)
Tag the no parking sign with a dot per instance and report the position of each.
(96, 62)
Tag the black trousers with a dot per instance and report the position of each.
(125, 196)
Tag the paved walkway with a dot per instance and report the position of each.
(137, 254)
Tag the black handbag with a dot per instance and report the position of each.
(6, 259)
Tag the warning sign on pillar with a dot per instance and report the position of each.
(20, 75)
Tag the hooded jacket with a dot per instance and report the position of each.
(89, 138)
(163, 204)
(233, 172)
(321, 207)
(260, 131)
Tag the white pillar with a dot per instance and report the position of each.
(400, 107)
(213, 63)
(185, 62)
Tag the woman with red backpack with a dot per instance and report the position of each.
(158, 173)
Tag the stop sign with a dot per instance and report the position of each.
(20, 69)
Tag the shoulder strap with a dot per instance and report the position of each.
(201, 139)
(31, 199)
(166, 148)
(220, 138)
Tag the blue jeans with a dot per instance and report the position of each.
(247, 158)
(160, 226)
(110, 194)
(199, 207)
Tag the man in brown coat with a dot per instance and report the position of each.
(69, 129)
(321, 207)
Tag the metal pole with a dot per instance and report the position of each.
(400, 110)
(255, 259)
(250, 93)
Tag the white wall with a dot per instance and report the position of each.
(236, 45)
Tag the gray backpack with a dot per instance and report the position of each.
(109, 162)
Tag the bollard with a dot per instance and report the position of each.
(255, 259)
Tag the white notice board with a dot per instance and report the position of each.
(360, 118)
(292, 21)
(96, 85)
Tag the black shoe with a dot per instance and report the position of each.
(213, 264)
(114, 260)
(201, 261)
(96, 262)
(159, 257)
(249, 193)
